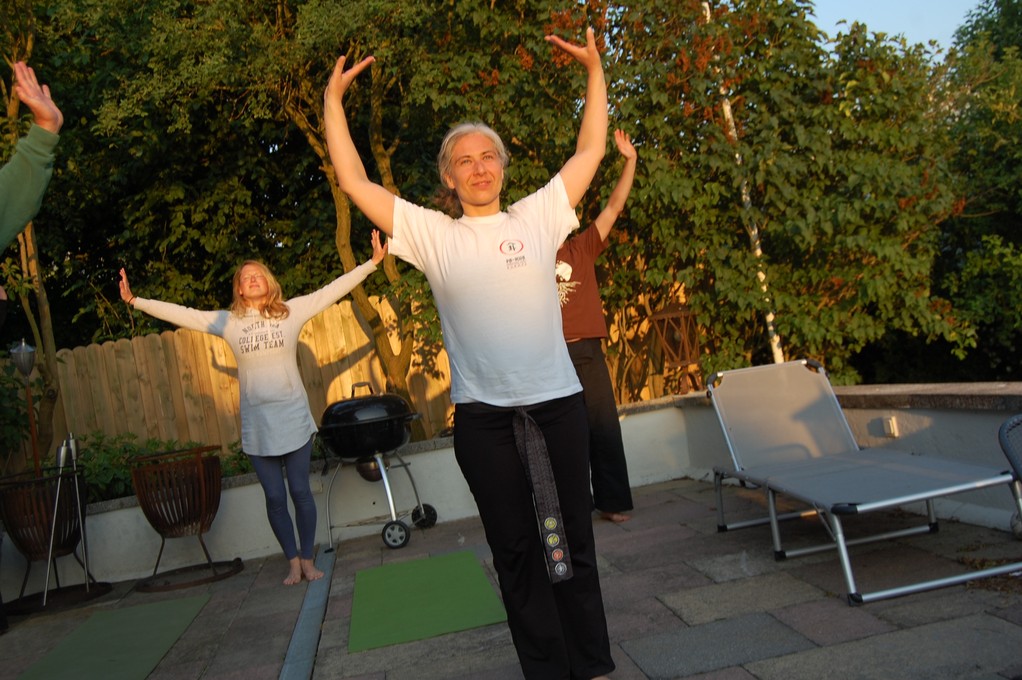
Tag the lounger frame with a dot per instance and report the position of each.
(787, 435)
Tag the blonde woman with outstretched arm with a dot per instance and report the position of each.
(277, 427)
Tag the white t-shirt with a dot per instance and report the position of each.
(275, 415)
(492, 278)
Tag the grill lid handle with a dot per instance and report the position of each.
(364, 384)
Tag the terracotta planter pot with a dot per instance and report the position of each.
(179, 494)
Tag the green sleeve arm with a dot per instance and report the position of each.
(23, 181)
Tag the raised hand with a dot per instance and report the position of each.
(125, 288)
(587, 55)
(341, 80)
(379, 250)
(37, 98)
(624, 145)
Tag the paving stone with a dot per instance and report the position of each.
(651, 547)
(737, 565)
(940, 605)
(832, 621)
(625, 667)
(640, 617)
(973, 647)
(634, 584)
(728, 600)
(735, 673)
(714, 646)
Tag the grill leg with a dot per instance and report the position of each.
(408, 472)
(386, 484)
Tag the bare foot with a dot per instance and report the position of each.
(616, 517)
(310, 572)
(294, 575)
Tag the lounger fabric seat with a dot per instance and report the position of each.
(872, 479)
(787, 434)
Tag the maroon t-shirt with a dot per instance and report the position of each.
(577, 287)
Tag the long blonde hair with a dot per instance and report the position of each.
(273, 306)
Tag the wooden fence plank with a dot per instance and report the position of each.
(337, 367)
(359, 348)
(148, 370)
(224, 380)
(202, 357)
(70, 396)
(164, 383)
(98, 385)
(175, 385)
(191, 388)
(132, 406)
(88, 417)
(313, 362)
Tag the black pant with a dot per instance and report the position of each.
(611, 489)
(559, 631)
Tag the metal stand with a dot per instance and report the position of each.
(68, 451)
(395, 532)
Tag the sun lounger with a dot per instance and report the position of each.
(786, 434)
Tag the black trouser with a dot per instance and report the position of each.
(559, 631)
(611, 489)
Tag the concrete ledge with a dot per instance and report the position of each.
(1003, 396)
(670, 438)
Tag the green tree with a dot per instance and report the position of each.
(835, 163)
(981, 246)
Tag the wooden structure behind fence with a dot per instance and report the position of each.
(182, 385)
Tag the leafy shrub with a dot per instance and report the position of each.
(13, 412)
(106, 461)
(236, 463)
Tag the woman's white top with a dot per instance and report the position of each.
(494, 285)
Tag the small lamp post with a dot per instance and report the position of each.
(23, 356)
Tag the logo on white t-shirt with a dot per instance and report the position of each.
(514, 251)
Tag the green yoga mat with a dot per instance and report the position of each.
(420, 599)
(118, 644)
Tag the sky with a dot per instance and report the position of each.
(919, 20)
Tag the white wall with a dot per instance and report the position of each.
(665, 439)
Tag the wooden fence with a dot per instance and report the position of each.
(182, 385)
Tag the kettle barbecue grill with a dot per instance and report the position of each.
(365, 431)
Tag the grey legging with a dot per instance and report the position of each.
(270, 470)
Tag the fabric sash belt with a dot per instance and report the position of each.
(536, 461)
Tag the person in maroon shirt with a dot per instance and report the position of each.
(584, 330)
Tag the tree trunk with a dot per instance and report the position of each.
(395, 365)
(752, 229)
(42, 332)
